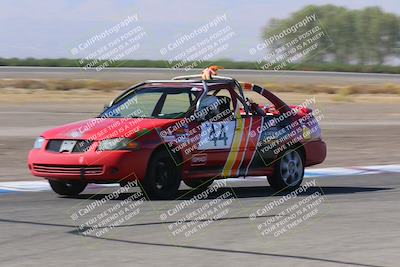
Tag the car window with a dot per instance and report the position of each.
(260, 100)
(226, 100)
(219, 105)
(175, 105)
(144, 104)
(154, 103)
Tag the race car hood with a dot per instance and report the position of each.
(104, 128)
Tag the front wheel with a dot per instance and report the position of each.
(163, 177)
(67, 188)
(288, 173)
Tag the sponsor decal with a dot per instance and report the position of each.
(199, 159)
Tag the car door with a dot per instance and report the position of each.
(222, 142)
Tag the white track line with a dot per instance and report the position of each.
(37, 186)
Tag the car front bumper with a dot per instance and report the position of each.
(91, 166)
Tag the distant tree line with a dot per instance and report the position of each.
(365, 37)
(366, 40)
(228, 64)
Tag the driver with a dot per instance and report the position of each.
(209, 107)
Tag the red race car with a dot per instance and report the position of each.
(188, 129)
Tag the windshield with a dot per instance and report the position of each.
(155, 102)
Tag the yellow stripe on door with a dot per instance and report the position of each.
(232, 157)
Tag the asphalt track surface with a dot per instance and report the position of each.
(139, 74)
(357, 224)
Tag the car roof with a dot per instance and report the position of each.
(188, 82)
(182, 82)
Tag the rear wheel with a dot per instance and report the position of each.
(67, 188)
(199, 184)
(289, 171)
(163, 177)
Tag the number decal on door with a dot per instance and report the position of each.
(216, 135)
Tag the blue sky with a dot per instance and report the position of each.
(50, 28)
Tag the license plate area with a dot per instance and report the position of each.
(67, 146)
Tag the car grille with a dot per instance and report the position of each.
(68, 169)
(80, 146)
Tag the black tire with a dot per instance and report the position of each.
(288, 171)
(199, 184)
(163, 177)
(67, 188)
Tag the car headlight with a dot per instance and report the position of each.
(118, 144)
(38, 142)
